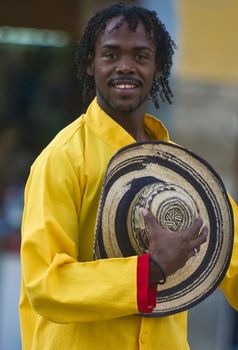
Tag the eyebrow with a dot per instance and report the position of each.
(137, 48)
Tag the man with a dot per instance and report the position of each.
(69, 301)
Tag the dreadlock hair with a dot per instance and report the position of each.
(155, 30)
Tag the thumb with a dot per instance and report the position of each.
(150, 221)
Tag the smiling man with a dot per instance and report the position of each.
(124, 68)
(69, 301)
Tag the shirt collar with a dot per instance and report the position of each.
(111, 132)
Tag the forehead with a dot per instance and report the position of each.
(117, 31)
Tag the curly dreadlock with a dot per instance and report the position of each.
(156, 30)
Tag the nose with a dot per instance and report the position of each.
(125, 66)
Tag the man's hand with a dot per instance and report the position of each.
(172, 249)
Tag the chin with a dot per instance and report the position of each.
(125, 106)
(127, 109)
(119, 105)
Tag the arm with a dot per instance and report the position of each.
(59, 287)
(229, 284)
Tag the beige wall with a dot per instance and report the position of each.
(209, 45)
(206, 84)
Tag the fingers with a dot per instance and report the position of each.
(152, 225)
(194, 229)
(147, 215)
(193, 236)
(196, 243)
(150, 222)
(193, 253)
(200, 239)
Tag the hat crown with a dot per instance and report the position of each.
(172, 206)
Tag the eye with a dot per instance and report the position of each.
(141, 57)
(110, 55)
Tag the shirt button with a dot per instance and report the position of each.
(144, 338)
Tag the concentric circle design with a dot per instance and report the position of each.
(177, 186)
(172, 206)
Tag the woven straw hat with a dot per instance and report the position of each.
(177, 186)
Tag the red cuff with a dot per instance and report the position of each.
(146, 293)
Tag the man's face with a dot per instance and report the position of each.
(123, 68)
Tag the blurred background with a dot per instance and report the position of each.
(39, 96)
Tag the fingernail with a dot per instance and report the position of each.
(199, 220)
(144, 211)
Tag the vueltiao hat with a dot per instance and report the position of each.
(176, 185)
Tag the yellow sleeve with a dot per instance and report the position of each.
(58, 286)
(229, 284)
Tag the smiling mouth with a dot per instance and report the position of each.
(125, 86)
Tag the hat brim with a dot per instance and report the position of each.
(147, 163)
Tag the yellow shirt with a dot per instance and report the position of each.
(67, 300)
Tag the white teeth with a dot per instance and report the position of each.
(125, 86)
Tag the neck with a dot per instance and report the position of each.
(134, 127)
(131, 121)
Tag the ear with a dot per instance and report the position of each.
(157, 74)
(90, 67)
